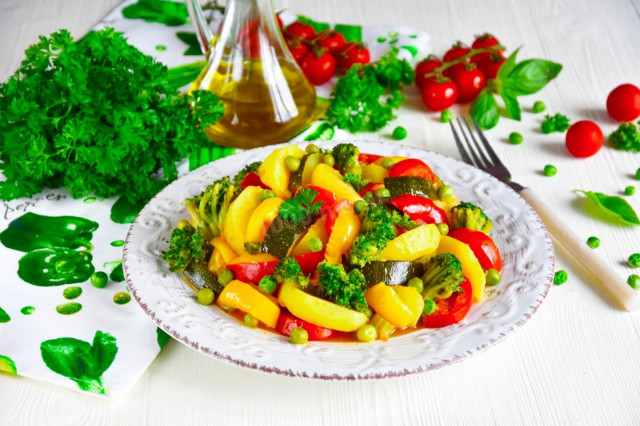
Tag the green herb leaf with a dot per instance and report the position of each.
(485, 110)
(350, 32)
(318, 26)
(191, 40)
(614, 207)
(530, 76)
(508, 66)
(166, 12)
(511, 104)
(301, 205)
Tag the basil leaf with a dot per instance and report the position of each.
(613, 207)
(511, 105)
(508, 66)
(485, 110)
(531, 75)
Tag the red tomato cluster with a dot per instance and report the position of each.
(460, 82)
(321, 55)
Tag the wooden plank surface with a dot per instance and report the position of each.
(575, 362)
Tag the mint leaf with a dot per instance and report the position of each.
(530, 76)
(485, 110)
(614, 207)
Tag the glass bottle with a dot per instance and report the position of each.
(266, 97)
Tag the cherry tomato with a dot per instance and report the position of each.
(425, 67)
(318, 67)
(287, 322)
(351, 53)
(326, 197)
(469, 81)
(623, 103)
(438, 95)
(332, 216)
(450, 310)
(252, 179)
(331, 39)
(491, 65)
(301, 30)
(368, 158)
(584, 139)
(297, 48)
(458, 50)
(412, 167)
(482, 246)
(419, 209)
(482, 41)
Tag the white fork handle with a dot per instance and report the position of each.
(619, 290)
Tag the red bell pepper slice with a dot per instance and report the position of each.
(482, 246)
(252, 272)
(326, 197)
(412, 167)
(287, 322)
(450, 310)
(309, 261)
(368, 158)
(252, 179)
(419, 209)
(332, 216)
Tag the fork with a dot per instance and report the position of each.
(475, 150)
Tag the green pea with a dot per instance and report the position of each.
(446, 116)
(99, 279)
(399, 133)
(183, 224)
(443, 228)
(368, 196)
(593, 242)
(205, 296)
(538, 107)
(387, 163)
(121, 298)
(416, 283)
(359, 205)
(634, 281)
(250, 321)
(312, 149)
(429, 307)
(634, 260)
(266, 193)
(515, 138)
(548, 127)
(367, 333)
(315, 244)
(445, 192)
(225, 276)
(493, 277)
(328, 160)
(560, 277)
(268, 284)
(299, 336)
(292, 163)
(550, 170)
(368, 312)
(382, 193)
(638, 174)
(72, 292)
(630, 190)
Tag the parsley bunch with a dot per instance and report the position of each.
(301, 205)
(96, 116)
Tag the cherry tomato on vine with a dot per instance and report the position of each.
(492, 64)
(302, 30)
(425, 67)
(318, 67)
(458, 50)
(482, 41)
(469, 81)
(584, 138)
(351, 53)
(298, 49)
(438, 95)
(331, 39)
(623, 103)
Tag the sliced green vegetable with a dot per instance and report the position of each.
(391, 272)
(613, 207)
(199, 276)
(413, 185)
(282, 235)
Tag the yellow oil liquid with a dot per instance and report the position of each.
(262, 107)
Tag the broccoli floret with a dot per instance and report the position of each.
(626, 137)
(466, 215)
(346, 156)
(346, 289)
(253, 167)
(288, 271)
(392, 72)
(209, 208)
(555, 123)
(442, 277)
(186, 244)
(355, 180)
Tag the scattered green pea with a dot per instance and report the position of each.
(73, 292)
(121, 298)
(292, 163)
(548, 127)
(266, 194)
(250, 321)
(205, 296)
(399, 133)
(315, 244)
(99, 279)
(550, 170)
(538, 107)
(429, 307)
(367, 333)
(312, 149)
(515, 138)
(416, 283)
(634, 281)
(445, 192)
(560, 277)
(268, 284)
(183, 224)
(161, 47)
(446, 116)
(68, 308)
(27, 310)
(328, 160)
(299, 336)
(381, 39)
(117, 243)
(387, 163)
(493, 277)
(359, 206)
(382, 193)
(443, 228)
(225, 276)
(630, 190)
(593, 242)
(634, 260)
(638, 174)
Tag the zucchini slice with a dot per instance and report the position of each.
(283, 234)
(413, 185)
(198, 276)
(391, 272)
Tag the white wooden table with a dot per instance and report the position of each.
(577, 361)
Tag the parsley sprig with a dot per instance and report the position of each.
(301, 205)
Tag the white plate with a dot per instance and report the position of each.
(527, 254)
